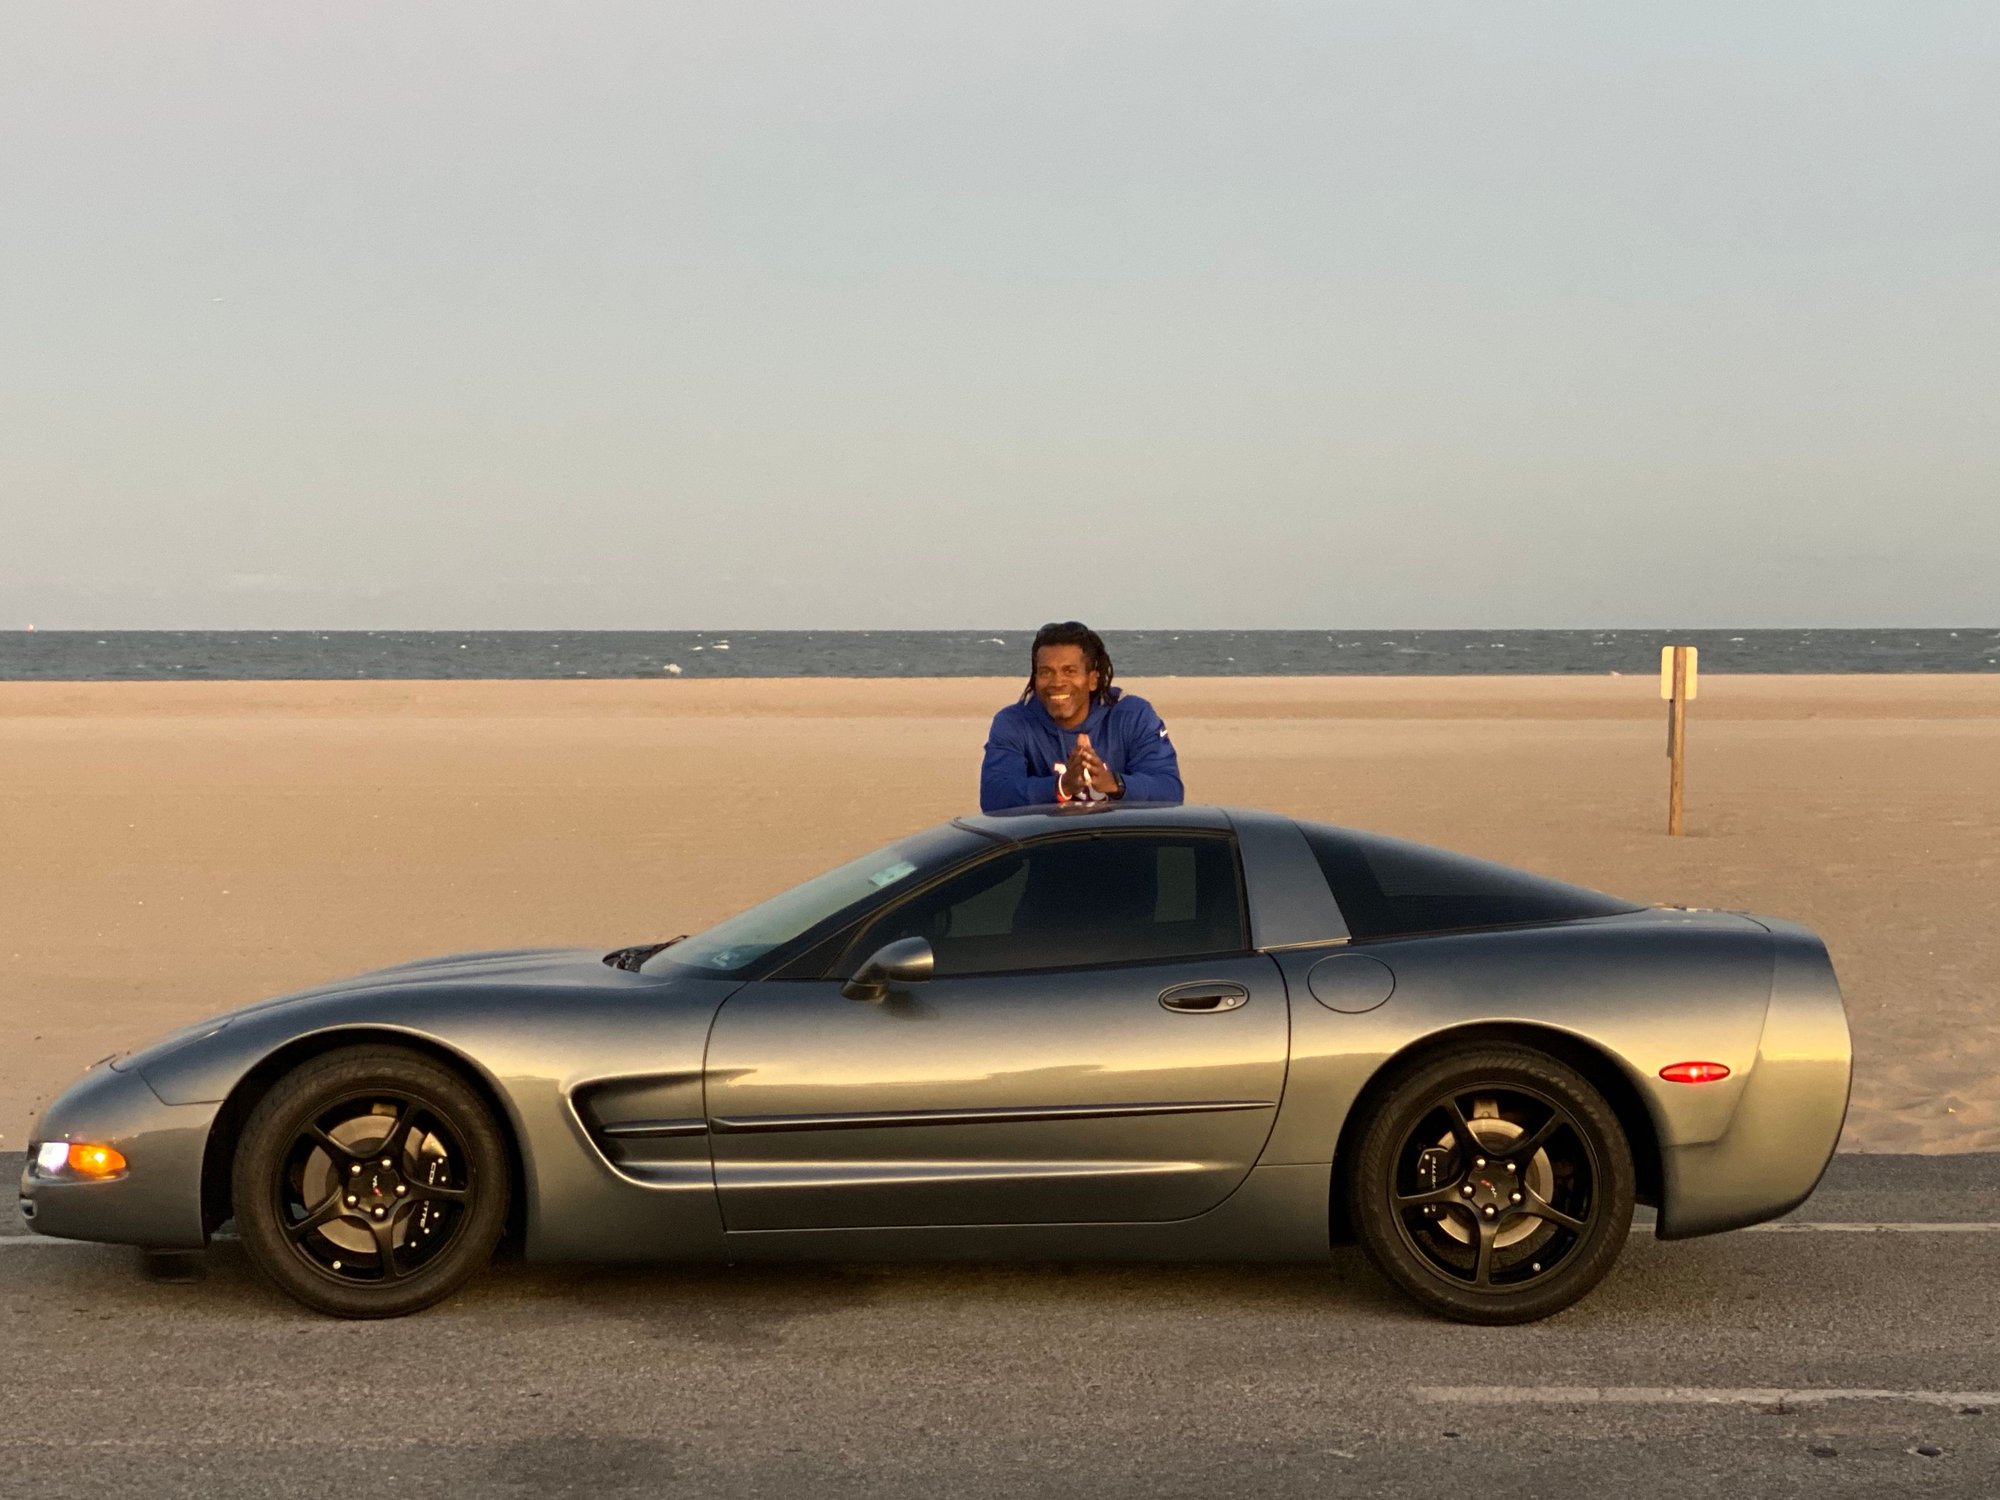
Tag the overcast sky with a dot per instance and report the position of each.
(941, 314)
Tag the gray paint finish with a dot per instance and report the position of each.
(668, 1115)
(1293, 905)
(1351, 983)
(1023, 1098)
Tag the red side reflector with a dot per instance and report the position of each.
(1694, 1072)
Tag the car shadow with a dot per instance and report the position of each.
(740, 1303)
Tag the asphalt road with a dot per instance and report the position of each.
(1725, 1366)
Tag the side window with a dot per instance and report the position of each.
(1069, 902)
(1389, 888)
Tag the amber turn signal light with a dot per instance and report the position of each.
(1694, 1072)
(95, 1161)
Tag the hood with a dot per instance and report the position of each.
(503, 966)
(544, 967)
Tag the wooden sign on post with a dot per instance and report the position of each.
(1677, 685)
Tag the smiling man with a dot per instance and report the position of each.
(1074, 737)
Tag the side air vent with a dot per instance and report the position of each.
(646, 1123)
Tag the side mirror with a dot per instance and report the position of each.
(905, 961)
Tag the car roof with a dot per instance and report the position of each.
(1020, 823)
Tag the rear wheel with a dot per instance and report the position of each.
(1492, 1184)
(370, 1182)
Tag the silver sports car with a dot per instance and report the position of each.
(1134, 1032)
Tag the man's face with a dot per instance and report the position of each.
(1064, 684)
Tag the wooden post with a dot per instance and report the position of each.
(1677, 686)
(1677, 743)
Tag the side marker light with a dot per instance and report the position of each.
(1694, 1072)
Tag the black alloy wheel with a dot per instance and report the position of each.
(370, 1182)
(1493, 1185)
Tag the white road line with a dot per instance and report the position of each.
(38, 1242)
(1787, 1226)
(180, 1443)
(1683, 1395)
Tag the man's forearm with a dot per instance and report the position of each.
(997, 793)
(1153, 786)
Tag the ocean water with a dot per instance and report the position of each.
(128, 655)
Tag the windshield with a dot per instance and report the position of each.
(732, 946)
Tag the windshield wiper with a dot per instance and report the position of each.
(630, 959)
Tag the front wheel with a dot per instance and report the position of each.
(1493, 1184)
(370, 1182)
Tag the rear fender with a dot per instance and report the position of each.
(1785, 1129)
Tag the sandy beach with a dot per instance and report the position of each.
(172, 850)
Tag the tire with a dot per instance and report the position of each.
(1492, 1184)
(370, 1182)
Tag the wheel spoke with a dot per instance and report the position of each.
(399, 1133)
(422, 1191)
(1541, 1208)
(1525, 1148)
(330, 1146)
(1469, 1145)
(1447, 1194)
(384, 1231)
(1482, 1256)
(326, 1213)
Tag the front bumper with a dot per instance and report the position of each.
(156, 1201)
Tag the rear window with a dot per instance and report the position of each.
(1391, 888)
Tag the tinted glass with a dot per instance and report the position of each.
(731, 947)
(1110, 899)
(1389, 888)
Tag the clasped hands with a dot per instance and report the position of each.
(1086, 762)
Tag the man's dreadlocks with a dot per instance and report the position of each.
(1073, 633)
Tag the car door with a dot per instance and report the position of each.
(1097, 1044)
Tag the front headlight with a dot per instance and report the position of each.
(89, 1160)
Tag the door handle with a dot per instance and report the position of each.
(1203, 999)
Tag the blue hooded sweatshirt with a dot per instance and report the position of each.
(1024, 745)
